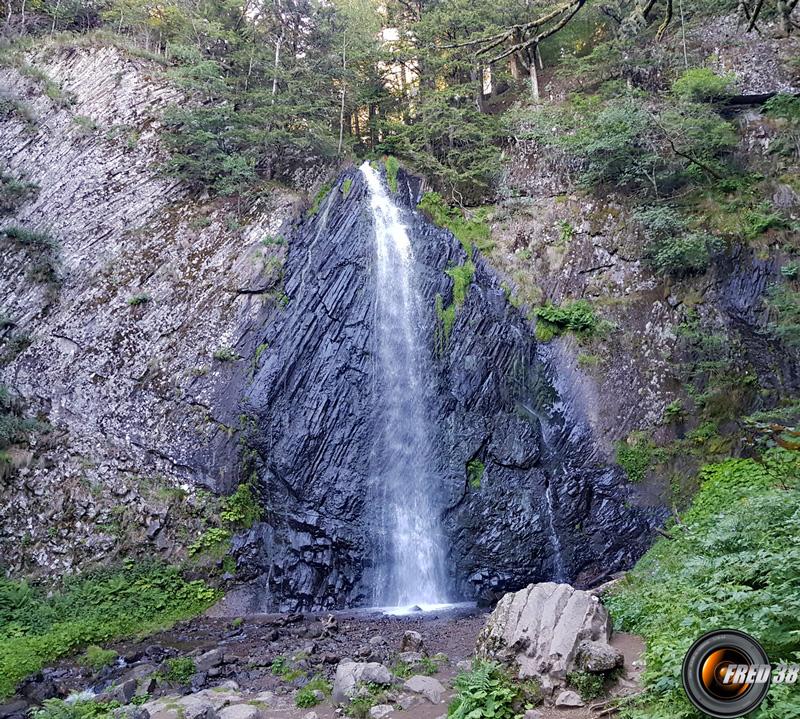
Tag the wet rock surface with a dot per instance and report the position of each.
(494, 396)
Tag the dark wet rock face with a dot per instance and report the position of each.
(494, 396)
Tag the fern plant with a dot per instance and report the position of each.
(484, 692)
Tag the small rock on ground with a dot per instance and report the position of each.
(380, 710)
(428, 687)
(569, 698)
(411, 642)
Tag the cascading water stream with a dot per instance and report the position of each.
(412, 561)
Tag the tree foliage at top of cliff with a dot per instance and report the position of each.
(286, 84)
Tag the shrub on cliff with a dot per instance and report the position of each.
(578, 317)
(672, 247)
(699, 84)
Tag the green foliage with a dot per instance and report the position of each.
(672, 248)
(347, 185)
(180, 670)
(484, 692)
(139, 299)
(446, 317)
(83, 709)
(14, 427)
(305, 697)
(86, 124)
(469, 232)
(451, 142)
(13, 193)
(285, 669)
(700, 84)
(475, 470)
(212, 539)
(42, 250)
(760, 218)
(392, 167)
(785, 304)
(635, 456)
(623, 142)
(731, 563)
(791, 271)
(96, 657)
(588, 685)
(37, 628)
(319, 198)
(576, 316)
(462, 279)
(674, 412)
(784, 106)
(241, 509)
(225, 354)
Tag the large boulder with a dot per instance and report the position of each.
(540, 629)
(351, 675)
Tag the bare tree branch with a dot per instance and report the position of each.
(754, 16)
(568, 11)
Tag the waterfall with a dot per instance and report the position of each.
(411, 565)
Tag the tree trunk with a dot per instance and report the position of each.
(55, 17)
(784, 15)
(477, 80)
(534, 76)
(277, 64)
(341, 109)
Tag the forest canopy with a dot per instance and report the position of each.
(279, 84)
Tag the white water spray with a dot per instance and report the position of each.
(413, 554)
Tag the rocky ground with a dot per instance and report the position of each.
(256, 667)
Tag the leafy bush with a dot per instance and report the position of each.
(285, 669)
(484, 692)
(615, 144)
(140, 299)
(82, 709)
(225, 354)
(462, 278)
(306, 696)
(784, 106)
(588, 685)
(672, 247)
(785, 304)
(14, 428)
(36, 629)
(446, 317)
(392, 167)
(635, 456)
(475, 470)
(347, 185)
(732, 563)
(42, 250)
(241, 508)
(319, 198)
(180, 670)
(97, 657)
(13, 193)
(473, 231)
(212, 539)
(700, 84)
(577, 316)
